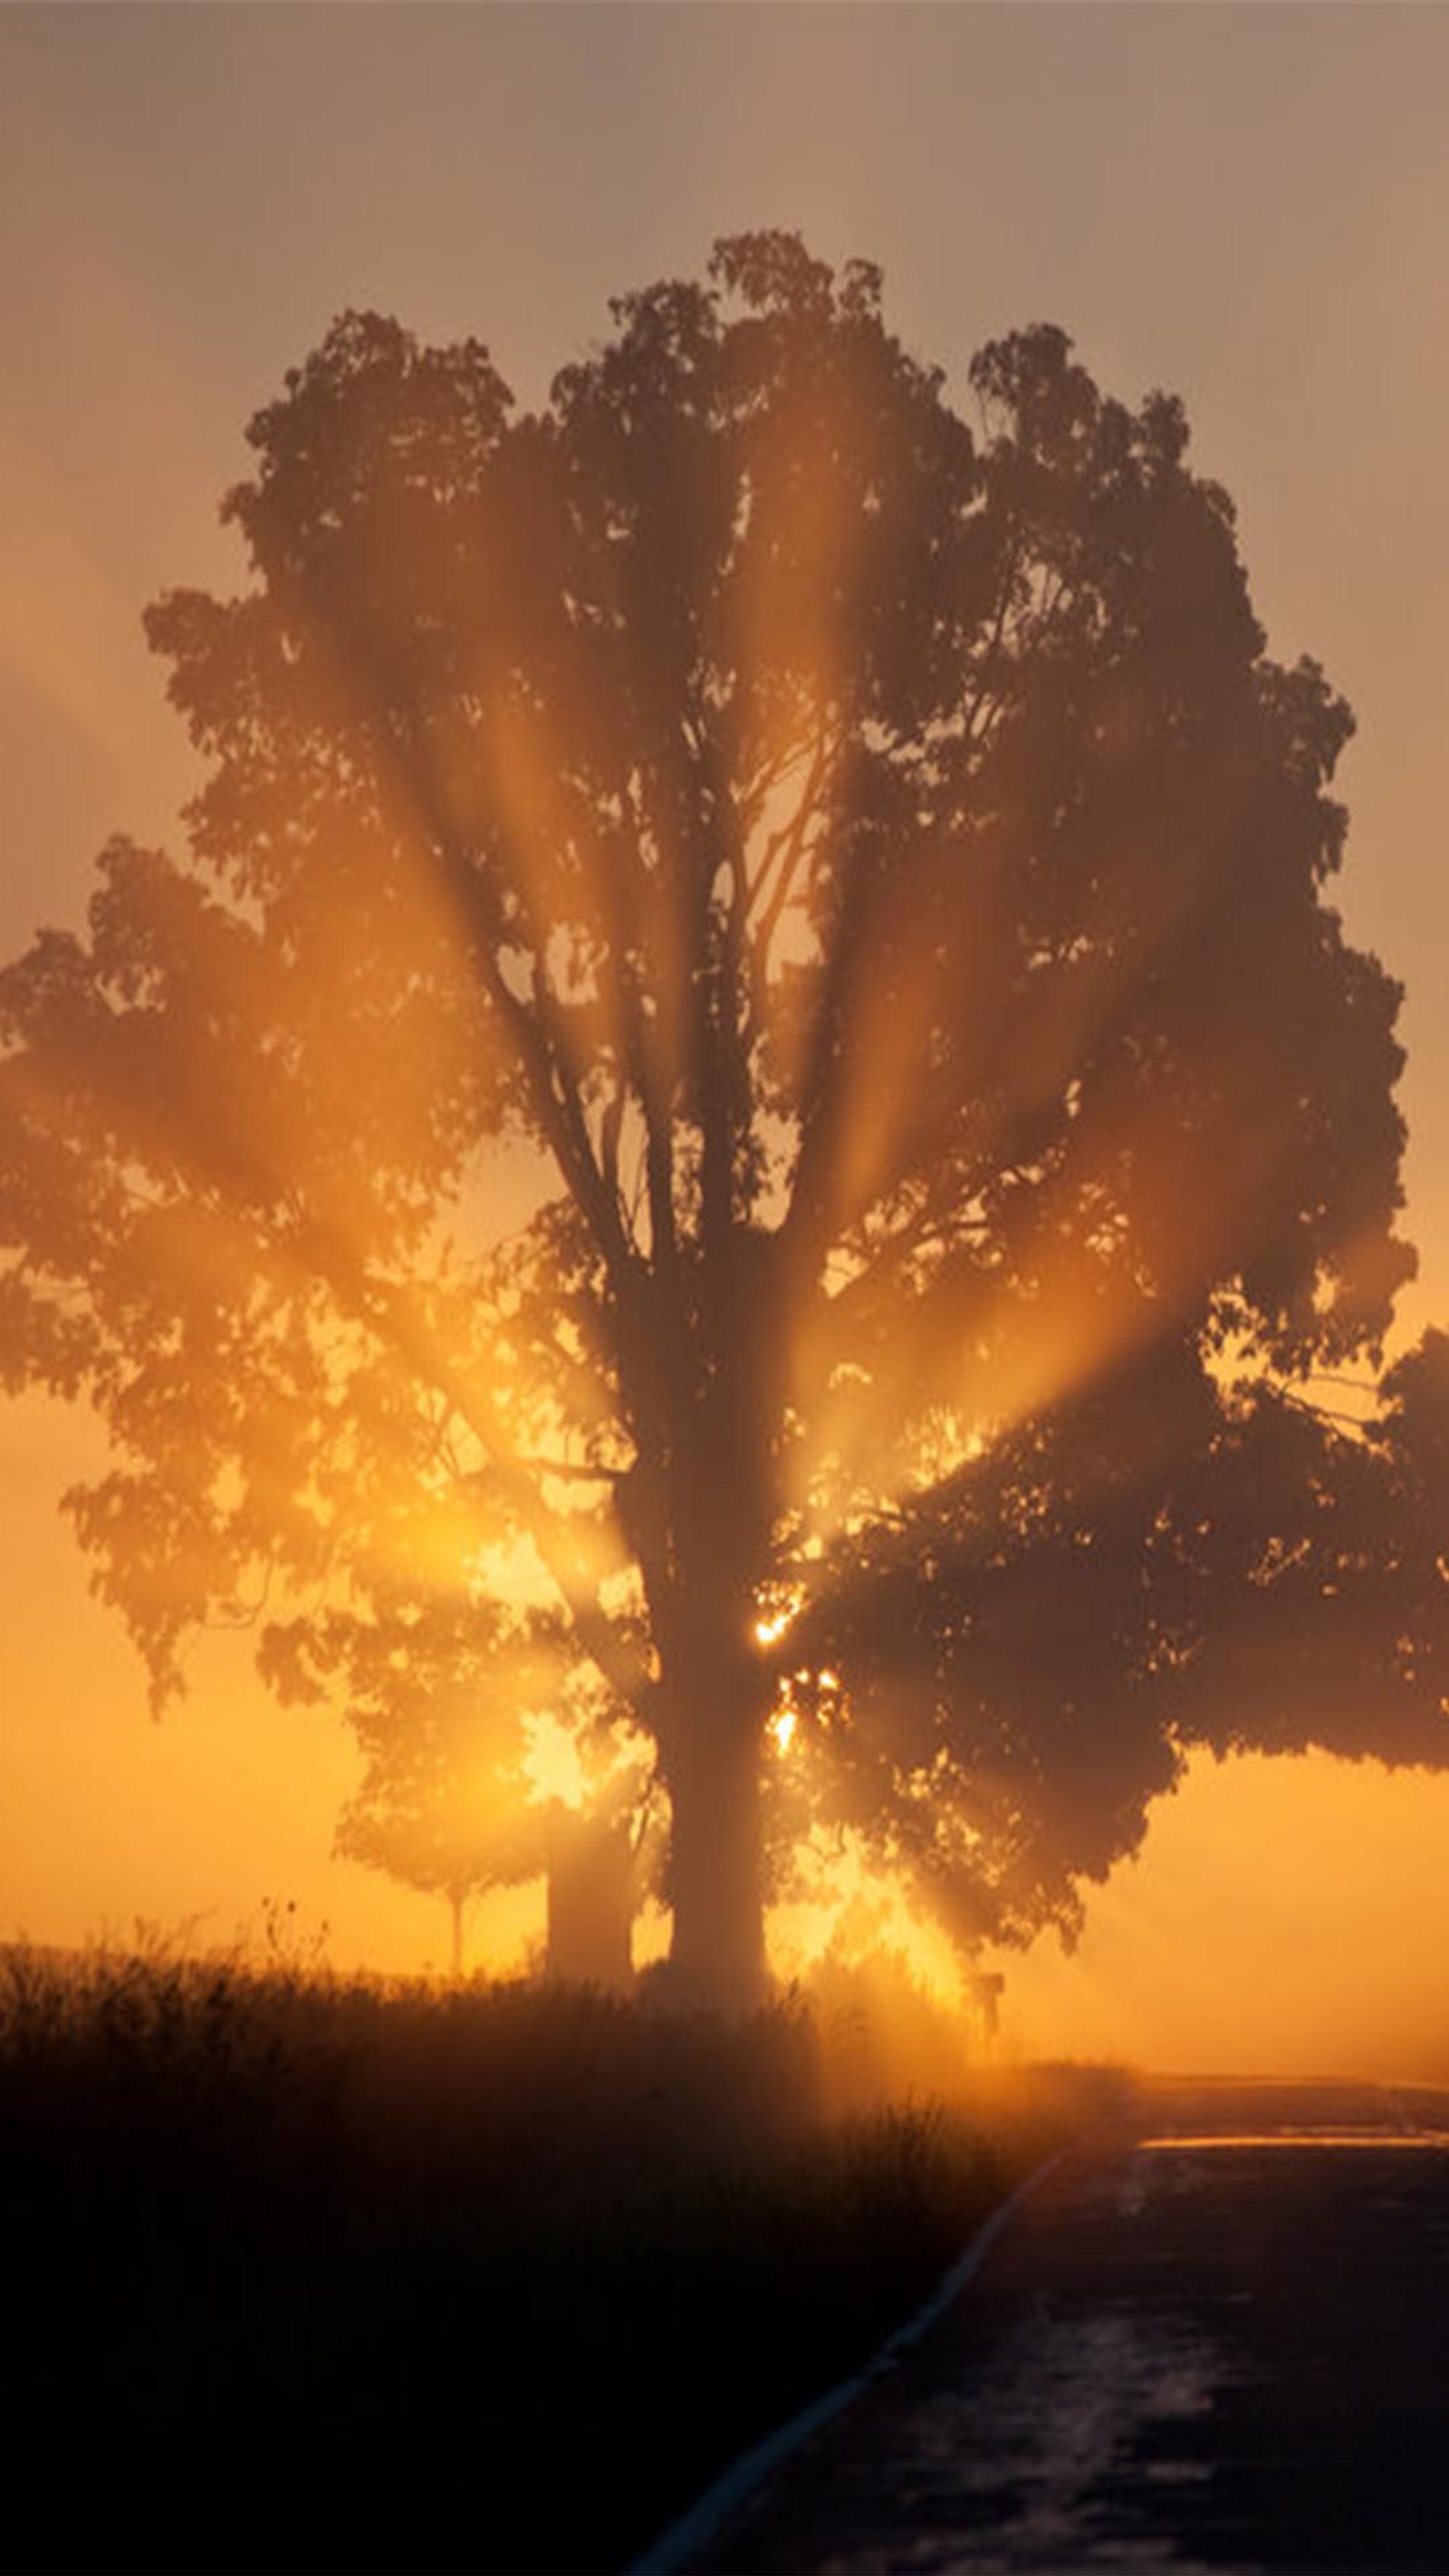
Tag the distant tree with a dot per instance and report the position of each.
(447, 1698)
(744, 944)
(437, 1695)
(392, 1823)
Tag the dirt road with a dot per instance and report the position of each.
(1217, 2340)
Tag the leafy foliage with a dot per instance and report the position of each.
(1161, 1561)
(745, 945)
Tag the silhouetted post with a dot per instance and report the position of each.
(986, 1992)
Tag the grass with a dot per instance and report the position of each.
(315, 2274)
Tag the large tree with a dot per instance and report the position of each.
(744, 940)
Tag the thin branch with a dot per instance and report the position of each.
(787, 836)
(1321, 1412)
(243, 1618)
(574, 1469)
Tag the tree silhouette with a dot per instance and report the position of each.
(1159, 1561)
(444, 1697)
(437, 1697)
(746, 946)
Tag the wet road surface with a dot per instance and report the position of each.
(1218, 2339)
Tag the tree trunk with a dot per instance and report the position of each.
(716, 1887)
(713, 1693)
(591, 1891)
(457, 1898)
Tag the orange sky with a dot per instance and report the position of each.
(1246, 205)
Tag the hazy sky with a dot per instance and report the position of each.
(1247, 204)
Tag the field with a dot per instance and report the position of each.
(304, 2273)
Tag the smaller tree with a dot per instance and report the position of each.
(453, 1706)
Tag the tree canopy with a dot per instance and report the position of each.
(749, 1022)
(476, 1775)
(1157, 1562)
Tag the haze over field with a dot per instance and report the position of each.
(1241, 207)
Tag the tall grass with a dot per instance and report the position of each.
(312, 2273)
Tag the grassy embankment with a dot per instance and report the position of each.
(307, 2273)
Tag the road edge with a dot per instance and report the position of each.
(702, 2521)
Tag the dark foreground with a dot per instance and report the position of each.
(305, 2276)
(1220, 2339)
